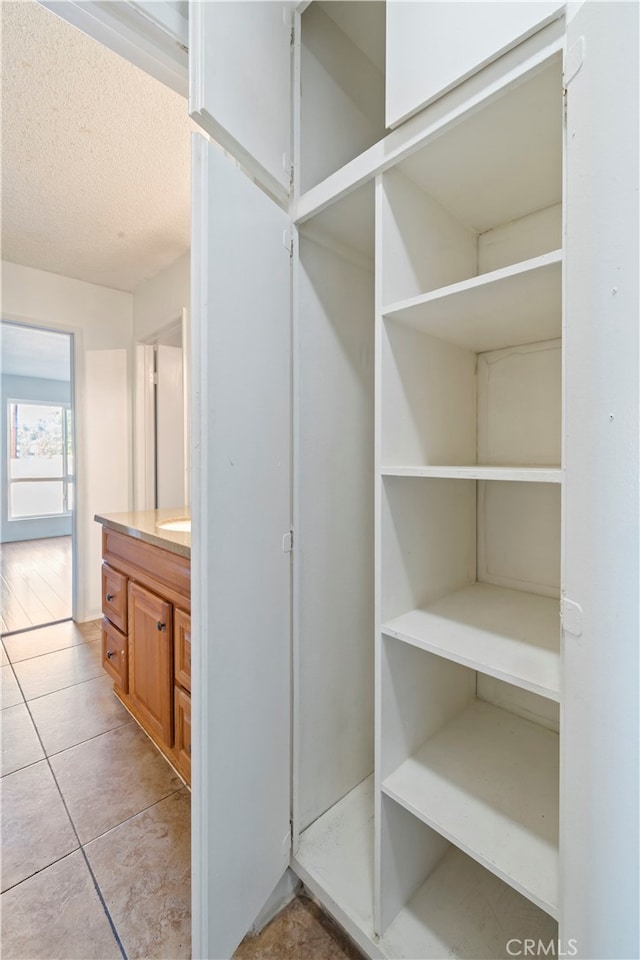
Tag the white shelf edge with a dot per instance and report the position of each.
(478, 472)
(462, 843)
(547, 692)
(433, 121)
(471, 852)
(498, 662)
(522, 268)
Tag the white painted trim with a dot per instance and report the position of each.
(79, 545)
(144, 434)
(296, 738)
(479, 472)
(186, 387)
(377, 549)
(199, 558)
(145, 41)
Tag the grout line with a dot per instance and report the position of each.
(36, 626)
(69, 686)
(80, 847)
(56, 753)
(104, 904)
(116, 826)
(41, 869)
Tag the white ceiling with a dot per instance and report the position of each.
(95, 156)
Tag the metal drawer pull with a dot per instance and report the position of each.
(160, 625)
(110, 596)
(110, 653)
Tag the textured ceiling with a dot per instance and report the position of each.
(95, 156)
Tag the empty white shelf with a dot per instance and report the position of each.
(478, 472)
(461, 910)
(508, 634)
(518, 304)
(488, 782)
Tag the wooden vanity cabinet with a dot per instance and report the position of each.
(146, 639)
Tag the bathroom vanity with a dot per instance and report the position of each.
(146, 627)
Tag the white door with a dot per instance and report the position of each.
(431, 46)
(241, 439)
(240, 57)
(599, 726)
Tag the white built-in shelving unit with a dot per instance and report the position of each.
(430, 359)
(423, 250)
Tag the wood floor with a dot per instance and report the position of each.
(35, 581)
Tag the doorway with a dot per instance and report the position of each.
(37, 441)
(161, 446)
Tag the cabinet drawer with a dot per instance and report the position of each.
(115, 655)
(183, 732)
(114, 597)
(182, 648)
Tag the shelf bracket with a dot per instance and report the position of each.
(571, 617)
(574, 61)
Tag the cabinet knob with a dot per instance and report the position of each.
(160, 625)
(110, 653)
(110, 596)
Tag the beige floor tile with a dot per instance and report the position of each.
(36, 830)
(55, 671)
(20, 744)
(57, 636)
(77, 714)
(299, 931)
(143, 870)
(10, 689)
(57, 913)
(4, 659)
(137, 775)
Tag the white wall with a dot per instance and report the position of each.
(101, 320)
(159, 301)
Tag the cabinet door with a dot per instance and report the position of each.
(240, 83)
(183, 732)
(240, 601)
(600, 725)
(182, 648)
(432, 46)
(151, 661)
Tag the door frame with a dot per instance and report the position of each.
(144, 413)
(79, 548)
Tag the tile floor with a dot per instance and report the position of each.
(96, 826)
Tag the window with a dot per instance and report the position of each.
(40, 460)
